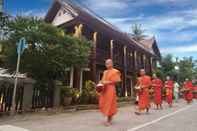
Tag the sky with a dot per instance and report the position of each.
(172, 22)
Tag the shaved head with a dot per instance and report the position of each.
(168, 77)
(142, 72)
(109, 63)
(154, 76)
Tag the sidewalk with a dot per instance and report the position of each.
(88, 120)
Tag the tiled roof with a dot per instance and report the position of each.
(148, 43)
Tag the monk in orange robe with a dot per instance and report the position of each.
(107, 100)
(157, 85)
(188, 86)
(144, 82)
(169, 85)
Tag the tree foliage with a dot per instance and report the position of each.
(3, 25)
(168, 65)
(137, 32)
(49, 52)
(186, 68)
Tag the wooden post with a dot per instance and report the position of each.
(111, 48)
(94, 56)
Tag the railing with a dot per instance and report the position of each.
(42, 98)
(6, 92)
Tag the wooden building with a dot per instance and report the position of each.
(108, 42)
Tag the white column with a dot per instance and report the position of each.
(125, 70)
(144, 59)
(81, 80)
(71, 76)
(111, 48)
(135, 59)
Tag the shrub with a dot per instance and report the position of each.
(89, 94)
(67, 91)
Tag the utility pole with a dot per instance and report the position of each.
(21, 46)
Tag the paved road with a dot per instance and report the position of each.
(181, 117)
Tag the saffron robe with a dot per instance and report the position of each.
(107, 100)
(145, 83)
(188, 94)
(157, 85)
(169, 85)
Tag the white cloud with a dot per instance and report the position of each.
(180, 49)
(122, 4)
(176, 20)
(106, 4)
(37, 13)
(167, 27)
(157, 22)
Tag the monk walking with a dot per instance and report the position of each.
(144, 82)
(157, 85)
(188, 86)
(107, 100)
(169, 85)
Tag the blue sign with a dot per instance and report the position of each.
(22, 45)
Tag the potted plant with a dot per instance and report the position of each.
(76, 96)
(67, 95)
(93, 97)
(89, 94)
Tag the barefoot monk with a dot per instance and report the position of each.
(157, 85)
(188, 86)
(144, 82)
(169, 85)
(107, 101)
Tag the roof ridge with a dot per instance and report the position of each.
(91, 12)
(81, 8)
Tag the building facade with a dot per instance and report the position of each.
(108, 42)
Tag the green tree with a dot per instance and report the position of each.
(167, 66)
(3, 25)
(186, 68)
(138, 32)
(3, 32)
(49, 52)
